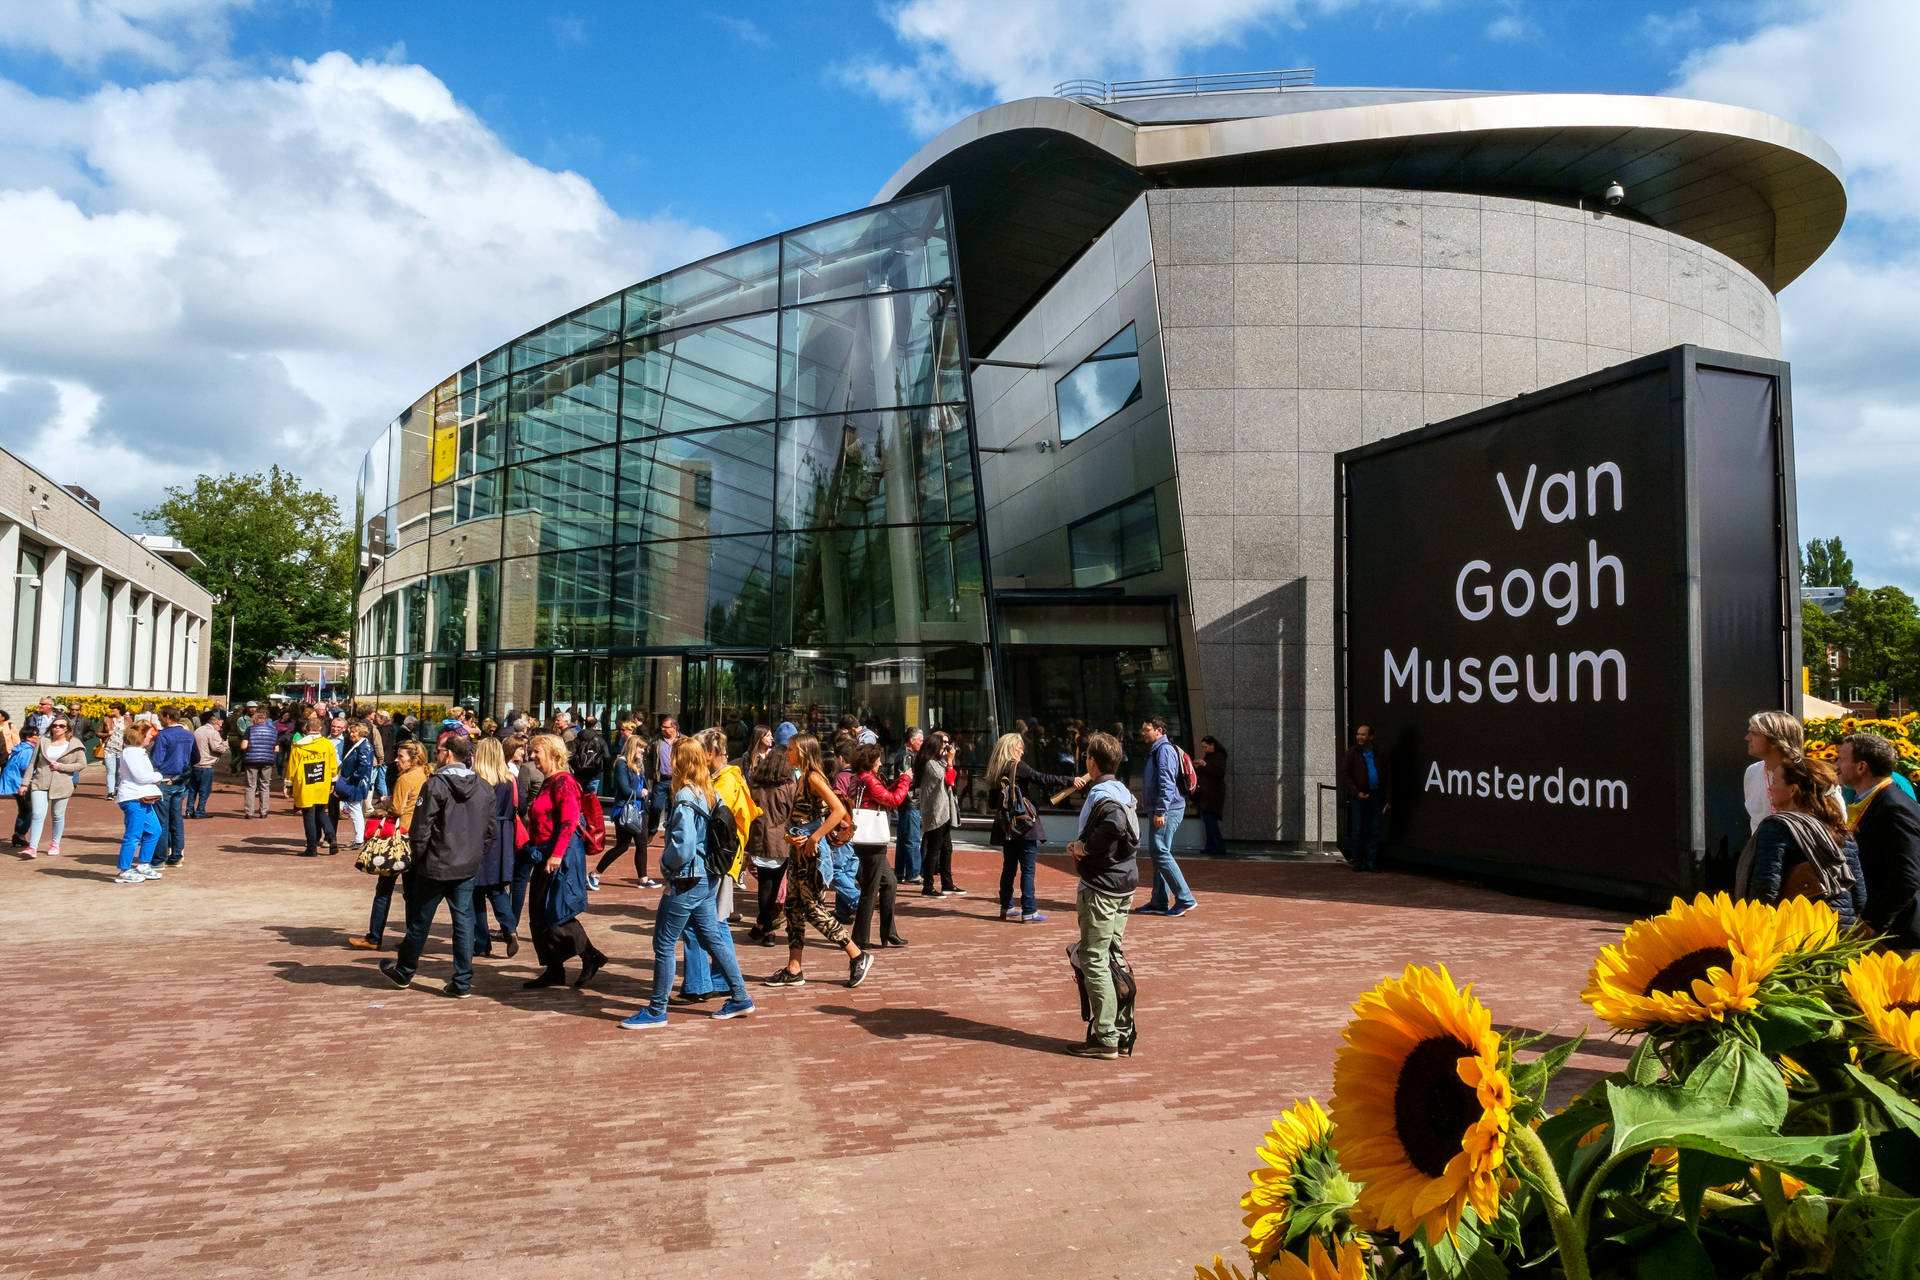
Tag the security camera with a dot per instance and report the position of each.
(1615, 194)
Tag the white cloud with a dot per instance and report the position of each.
(82, 33)
(1843, 68)
(1511, 29)
(967, 54)
(235, 270)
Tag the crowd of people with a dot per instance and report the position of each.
(520, 821)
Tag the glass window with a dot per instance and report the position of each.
(413, 449)
(871, 353)
(699, 591)
(103, 642)
(735, 283)
(471, 498)
(559, 601)
(892, 467)
(892, 689)
(710, 376)
(591, 326)
(899, 246)
(1122, 541)
(879, 585)
(462, 601)
(1104, 383)
(28, 589)
(694, 486)
(555, 504)
(567, 405)
(483, 427)
(70, 629)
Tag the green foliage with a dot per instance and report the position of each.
(280, 559)
(1879, 631)
(1818, 631)
(1876, 1238)
(1825, 563)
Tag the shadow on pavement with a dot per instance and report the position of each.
(898, 1024)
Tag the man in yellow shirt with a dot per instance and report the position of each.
(311, 766)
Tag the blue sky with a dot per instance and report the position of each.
(251, 231)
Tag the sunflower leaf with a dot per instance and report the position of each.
(1645, 1066)
(1699, 1170)
(1676, 1255)
(1899, 1111)
(1876, 1238)
(1531, 1080)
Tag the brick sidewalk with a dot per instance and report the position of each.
(205, 1080)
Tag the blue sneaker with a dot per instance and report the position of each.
(1180, 911)
(733, 1009)
(644, 1018)
(1149, 910)
(1033, 917)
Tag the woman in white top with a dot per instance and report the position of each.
(139, 797)
(60, 757)
(1772, 737)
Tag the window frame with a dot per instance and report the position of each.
(1116, 511)
(1092, 358)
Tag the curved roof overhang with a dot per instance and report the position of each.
(1035, 181)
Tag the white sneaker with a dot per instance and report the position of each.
(129, 876)
(148, 871)
(593, 881)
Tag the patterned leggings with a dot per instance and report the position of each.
(804, 905)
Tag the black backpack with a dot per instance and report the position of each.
(722, 843)
(589, 755)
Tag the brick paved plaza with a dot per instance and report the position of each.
(205, 1080)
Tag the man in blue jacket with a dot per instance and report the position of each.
(1166, 809)
(172, 754)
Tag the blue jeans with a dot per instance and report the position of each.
(143, 829)
(500, 898)
(523, 864)
(699, 976)
(199, 790)
(687, 909)
(590, 784)
(382, 903)
(112, 762)
(1366, 828)
(845, 880)
(173, 827)
(1169, 886)
(423, 903)
(906, 849)
(1216, 845)
(1023, 856)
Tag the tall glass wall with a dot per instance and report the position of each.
(744, 490)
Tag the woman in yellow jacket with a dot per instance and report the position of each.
(312, 764)
(702, 982)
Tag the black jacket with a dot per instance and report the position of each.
(1211, 770)
(1888, 834)
(1353, 773)
(452, 825)
(1112, 836)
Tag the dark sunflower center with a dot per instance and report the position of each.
(1678, 978)
(1432, 1108)
(1904, 1006)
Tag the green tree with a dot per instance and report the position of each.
(1879, 633)
(1826, 564)
(1818, 630)
(279, 558)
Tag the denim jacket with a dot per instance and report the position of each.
(683, 853)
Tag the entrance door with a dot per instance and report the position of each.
(650, 687)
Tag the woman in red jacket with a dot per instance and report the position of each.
(559, 890)
(876, 873)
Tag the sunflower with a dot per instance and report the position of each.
(1220, 1270)
(1421, 1106)
(1703, 960)
(1886, 990)
(1301, 1173)
(1348, 1261)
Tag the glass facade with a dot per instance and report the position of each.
(743, 491)
(1100, 386)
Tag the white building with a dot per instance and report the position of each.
(88, 609)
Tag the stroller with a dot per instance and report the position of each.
(1124, 987)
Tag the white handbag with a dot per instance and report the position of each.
(870, 827)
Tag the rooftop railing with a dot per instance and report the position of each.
(1104, 91)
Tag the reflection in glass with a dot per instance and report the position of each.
(1104, 383)
(591, 326)
(462, 604)
(891, 689)
(890, 467)
(564, 502)
(900, 583)
(688, 379)
(557, 601)
(413, 449)
(703, 591)
(731, 284)
(483, 427)
(1122, 541)
(871, 353)
(898, 246)
(565, 406)
(714, 482)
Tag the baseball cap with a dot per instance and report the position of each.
(785, 733)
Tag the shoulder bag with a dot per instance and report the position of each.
(869, 825)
